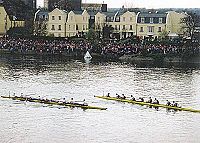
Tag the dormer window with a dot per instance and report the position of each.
(117, 19)
(142, 20)
(160, 20)
(151, 20)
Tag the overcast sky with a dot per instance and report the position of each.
(144, 3)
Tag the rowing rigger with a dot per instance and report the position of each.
(53, 102)
(148, 104)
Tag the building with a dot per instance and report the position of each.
(173, 23)
(123, 23)
(67, 24)
(63, 4)
(151, 24)
(40, 22)
(8, 21)
(18, 10)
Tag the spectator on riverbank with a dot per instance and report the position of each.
(42, 46)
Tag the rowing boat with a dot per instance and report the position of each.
(148, 104)
(51, 102)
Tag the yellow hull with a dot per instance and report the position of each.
(148, 104)
(55, 103)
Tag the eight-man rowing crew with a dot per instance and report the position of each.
(61, 100)
(141, 99)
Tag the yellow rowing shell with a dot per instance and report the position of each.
(148, 104)
(55, 103)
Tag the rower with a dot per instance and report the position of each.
(132, 98)
(84, 103)
(117, 96)
(168, 103)
(123, 96)
(21, 95)
(174, 104)
(14, 95)
(108, 95)
(155, 101)
(150, 100)
(63, 100)
(141, 99)
(71, 101)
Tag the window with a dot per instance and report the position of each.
(151, 20)
(124, 18)
(131, 18)
(59, 17)
(83, 18)
(142, 20)
(71, 17)
(160, 20)
(83, 27)
(69, 27)
(124, 27)
(131, 27)
(59, 27)
(141, 29)
(115, 27)
(52, 27)
(53, 17)
(98, 18)
(159, 29)
(119, 27)
(111, 19)
(117, 19)
(150, 29)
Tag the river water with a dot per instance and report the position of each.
(22, 122)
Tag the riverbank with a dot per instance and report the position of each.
(101, 50)
(160, 59)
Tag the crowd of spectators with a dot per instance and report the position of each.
(41, 46)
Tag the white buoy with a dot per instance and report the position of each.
(87, 56)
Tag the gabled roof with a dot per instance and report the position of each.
(92, 13)
(109, 14)
(152, 15)
(78, 12)
(61, 11)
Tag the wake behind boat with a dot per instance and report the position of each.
(53, 102)
(148, 104)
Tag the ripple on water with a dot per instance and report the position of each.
(122, 122)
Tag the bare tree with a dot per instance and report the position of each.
(189, 25)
